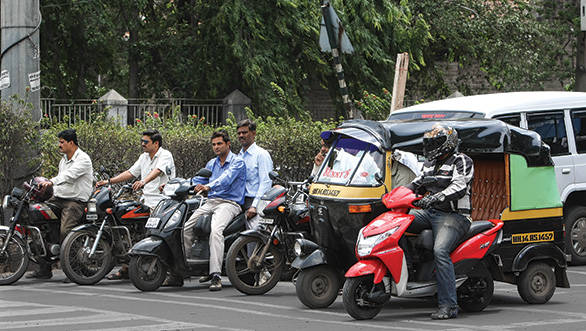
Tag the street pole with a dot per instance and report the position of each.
(333, 39)
(20, 22)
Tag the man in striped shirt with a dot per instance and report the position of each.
(447, 180)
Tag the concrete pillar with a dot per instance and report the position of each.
(234, 103)
(20, 68)
(116, 106)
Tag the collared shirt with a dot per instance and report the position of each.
(75, 178)
(163, 160)
(258, 165)
(227, 180)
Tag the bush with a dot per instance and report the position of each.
(18, 139)
(292, 143)
(374, 107)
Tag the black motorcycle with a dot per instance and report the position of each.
(162, 249)
(256, 260)
(32, 232)
(91, 250)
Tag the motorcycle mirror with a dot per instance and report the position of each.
(310, 179)
(204, 172)
(273, 175)
(379, 178)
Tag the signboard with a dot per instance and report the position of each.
(35, 80)
(4, 79)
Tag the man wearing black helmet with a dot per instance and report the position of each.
(447, 179)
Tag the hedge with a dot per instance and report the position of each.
(291, 142)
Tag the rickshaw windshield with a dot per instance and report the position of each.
(352, 161)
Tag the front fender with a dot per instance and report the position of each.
(152, 246)
(262, 235)
(367, 267)
(92, 228)
(541, 251)
(317, 257)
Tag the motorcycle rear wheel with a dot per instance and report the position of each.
(77, 264)
(476, 293)
(141, 278)
(14, 261)
(242, 271)
(354, 298)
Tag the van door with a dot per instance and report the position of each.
(552, 129)
(578, 118)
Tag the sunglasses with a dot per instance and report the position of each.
(144, 141)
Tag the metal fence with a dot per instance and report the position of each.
(71, 111)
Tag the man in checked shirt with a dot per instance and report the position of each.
(447, 177)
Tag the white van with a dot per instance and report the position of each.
(560, 119)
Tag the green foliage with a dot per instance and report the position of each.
(375, 107)
(18, 136)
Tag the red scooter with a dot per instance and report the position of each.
(394, 262)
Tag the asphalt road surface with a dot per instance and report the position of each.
(117, 305)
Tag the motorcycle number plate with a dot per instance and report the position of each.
(91, 217)
(266, 220)
(152, 222)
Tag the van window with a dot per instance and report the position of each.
(552, 130)
(510, 119)
(579, 124)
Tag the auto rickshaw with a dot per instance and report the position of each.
(514, 181)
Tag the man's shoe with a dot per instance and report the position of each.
(39, 275)
(445, 312)
(173, 281)
(206, 278)
(216, 284)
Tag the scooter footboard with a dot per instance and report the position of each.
(367, 267)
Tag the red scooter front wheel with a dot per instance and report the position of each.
(355, 298)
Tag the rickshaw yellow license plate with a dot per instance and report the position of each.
(533, 237)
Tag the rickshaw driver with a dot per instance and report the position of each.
(447, 176)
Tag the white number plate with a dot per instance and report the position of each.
(266, 220)
(152, 222)
(91, 217)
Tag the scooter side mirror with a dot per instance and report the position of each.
(204, 172)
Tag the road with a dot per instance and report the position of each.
(117, 305)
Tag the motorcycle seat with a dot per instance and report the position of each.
(203, 226)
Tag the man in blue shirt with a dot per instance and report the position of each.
(225, 195)
(258, 165)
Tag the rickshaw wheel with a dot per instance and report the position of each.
(317, 287)
(537, 283)
(476, 293)
(576, 238)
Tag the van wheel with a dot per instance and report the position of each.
(537, 283)
(576, 235)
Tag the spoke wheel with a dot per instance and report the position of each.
(247, 272)
(355, 299)
(77, 263)
(536, 284)
(147, 272)
(14, 261)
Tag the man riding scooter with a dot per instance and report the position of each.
(446, 209)
(225, 190)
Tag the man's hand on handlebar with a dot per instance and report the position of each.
(201, 188)
(430, 200)
(101, 183)
(138, 185)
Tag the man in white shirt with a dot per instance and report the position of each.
(154, 167)
(72, 189)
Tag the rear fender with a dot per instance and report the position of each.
(317, 257)
(475, 247)
(540, 251)
(262, 235)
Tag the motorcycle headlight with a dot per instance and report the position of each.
(91, 206)
(364, 245)
(173, 220)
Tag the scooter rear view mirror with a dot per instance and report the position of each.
(204, 172)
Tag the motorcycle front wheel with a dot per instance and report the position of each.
(354, 298)
(14, 261)
(76, 261)
(247, 273)
(147, 272)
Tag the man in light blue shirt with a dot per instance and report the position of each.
(225, 195)
(258, 165)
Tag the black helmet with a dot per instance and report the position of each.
(439, 141)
